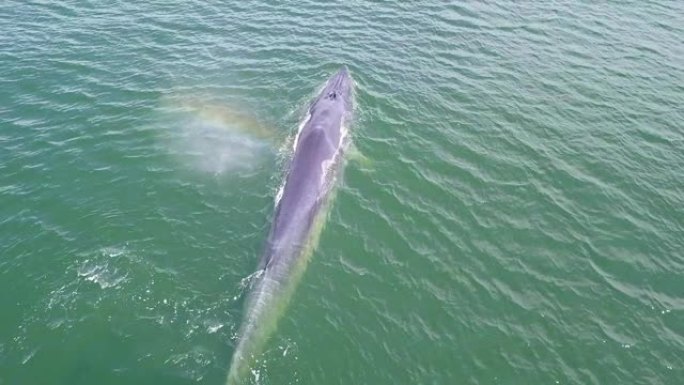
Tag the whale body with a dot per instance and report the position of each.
(300, 210)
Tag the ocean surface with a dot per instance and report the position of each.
(512, 211)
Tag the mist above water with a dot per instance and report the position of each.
(214, 138)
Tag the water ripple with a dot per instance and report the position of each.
(518, 217)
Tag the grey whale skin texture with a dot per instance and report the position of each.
(319, 147)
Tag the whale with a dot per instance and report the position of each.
(301, 207)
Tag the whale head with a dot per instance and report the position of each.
(337, 93)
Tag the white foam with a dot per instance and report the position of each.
(327, 164)
(211, 329)
(100, 274)
(279, 194)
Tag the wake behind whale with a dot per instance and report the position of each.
(298, 220)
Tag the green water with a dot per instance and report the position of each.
(519, 218)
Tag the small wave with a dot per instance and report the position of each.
(101, 274)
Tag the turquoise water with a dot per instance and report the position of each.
(518, 217)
